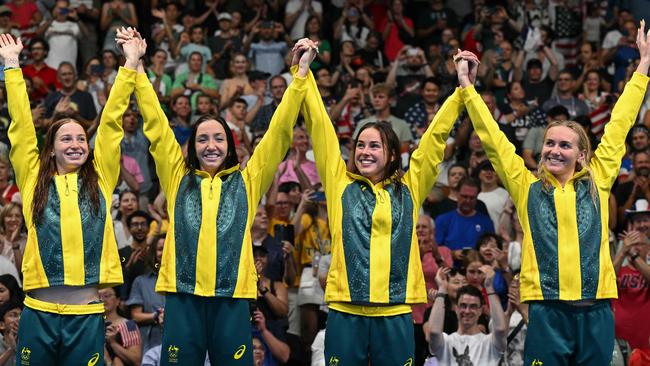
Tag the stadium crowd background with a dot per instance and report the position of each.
(379, 60)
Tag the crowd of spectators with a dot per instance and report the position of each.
(379, 60)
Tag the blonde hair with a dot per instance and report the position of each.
(584, 145)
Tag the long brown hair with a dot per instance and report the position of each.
(583, 145)
(47, 169)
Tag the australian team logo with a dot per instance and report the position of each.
(334, 361)
(172, 352)
(25, 355)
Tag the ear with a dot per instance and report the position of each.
(582, 157)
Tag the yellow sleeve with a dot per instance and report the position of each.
(22, 134)
(170, 164)
(423, 166)
(509, 166)
(607, 158)
(110, 132)
(331, 167)
(269, 153)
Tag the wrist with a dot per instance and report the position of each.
(12, 62)
(464, 81)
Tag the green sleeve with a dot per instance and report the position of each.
(607, 158)
(110, 132)
(509, 166)
(423, 166)
(170, 164)
(268, 154)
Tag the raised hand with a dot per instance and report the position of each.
(489, 276)
(442, 278)
(10, 49)
(466, 67)
(304, 52)
(643, 43)
(131, 44)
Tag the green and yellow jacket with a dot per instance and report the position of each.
(376, 268)
(72, 245)
(208, 249)
(565, 253)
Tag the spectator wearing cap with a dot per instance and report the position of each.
(9, 319)
(262, 117)
(194, 81)
(269, 51)
(537, 88)
(460, 229)
(632, 308)
(296, 13)
(42, 75)
(494, 196)
(224, 42)
(565, 97)
(353, 25)
(190, 42)
(61, 33)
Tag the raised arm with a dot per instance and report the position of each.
(24, 152)
(501, 152)
(423, 167)
(170, 164)
(327, 153)
(610, 151)
(110, 132)
(498, 316)
(276, 141)
(436, 322)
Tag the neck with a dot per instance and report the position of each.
(467, 214)
(68, 90)
(113, 317)
(137, 244)
(564, 94)
(383, 114)
(258, 235)
(453, 195)
(474, 329)
(488, 187)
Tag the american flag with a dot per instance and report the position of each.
(599, 117)
(567, 31)
(129, 332)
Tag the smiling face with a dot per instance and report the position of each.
(13, 220)
(469, 310)
(70, 148)
(371, 156)
(211, 146)
(561, 152)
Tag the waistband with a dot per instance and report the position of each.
(365, 310)
(575, 306)
(64, 309)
